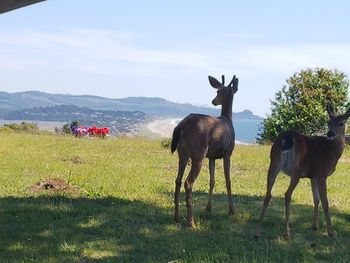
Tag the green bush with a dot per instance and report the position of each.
(67, 128)
(22, 127)
(301, 104)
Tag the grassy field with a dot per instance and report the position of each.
(124, 210)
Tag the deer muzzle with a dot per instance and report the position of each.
(330, 135)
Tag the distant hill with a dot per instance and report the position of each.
(152, 107)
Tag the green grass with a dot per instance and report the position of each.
(125, 210)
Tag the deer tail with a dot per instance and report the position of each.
(287, 142)
(176, 138)
(287, 152)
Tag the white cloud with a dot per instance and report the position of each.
(122, 54)
(110, 48)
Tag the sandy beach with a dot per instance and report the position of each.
(163, 127)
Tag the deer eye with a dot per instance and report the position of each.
(341, 124)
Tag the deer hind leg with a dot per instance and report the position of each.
(183, 159)
(316, 198)
(211, 184)
(271, 178)
(288, 196)
(195, 169)
(227, 165)
(322, 187)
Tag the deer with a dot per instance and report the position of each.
(200, 136)
(301, 156)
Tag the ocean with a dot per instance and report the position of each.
(246, 129)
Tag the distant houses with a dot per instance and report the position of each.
(118, 122)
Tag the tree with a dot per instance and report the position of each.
(300, 105)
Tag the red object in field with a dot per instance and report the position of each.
(94, 131)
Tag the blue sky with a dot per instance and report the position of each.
(168, 48)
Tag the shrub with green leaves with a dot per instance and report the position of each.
(300, 105)
(22, 127)
(67, 128)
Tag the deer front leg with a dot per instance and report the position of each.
(212, 183)
(195, 169)
(182, 166)
(227, 165)
(322, 187)
(288, 196)
(316, 198)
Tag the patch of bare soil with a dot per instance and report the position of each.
(55, 185)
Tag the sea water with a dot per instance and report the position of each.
(246, 129)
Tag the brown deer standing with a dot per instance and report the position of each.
(198, 136)
(301, 156)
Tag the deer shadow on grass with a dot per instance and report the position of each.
(58, 228)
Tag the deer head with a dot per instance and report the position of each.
(336, 123)
(224, 93)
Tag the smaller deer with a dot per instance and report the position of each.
(198, 136)
(301, 156)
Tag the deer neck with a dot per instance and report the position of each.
(226, 109)
(338, 144)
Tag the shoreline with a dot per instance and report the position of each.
(163, 128)
(156, 129)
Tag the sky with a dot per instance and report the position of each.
(167, 49)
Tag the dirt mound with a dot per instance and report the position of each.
(54, 185)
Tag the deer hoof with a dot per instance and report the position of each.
(257, 232)
(256, 235)
(177, 224)
(331, 234)
(314, 228)
(286, 237)
(208, 210)
(192, 225)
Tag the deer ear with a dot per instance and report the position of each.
(235, 85)
(214, 82)
(330, 109)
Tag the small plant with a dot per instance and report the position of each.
(67, 128)
(22, 127)
(165, 143)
